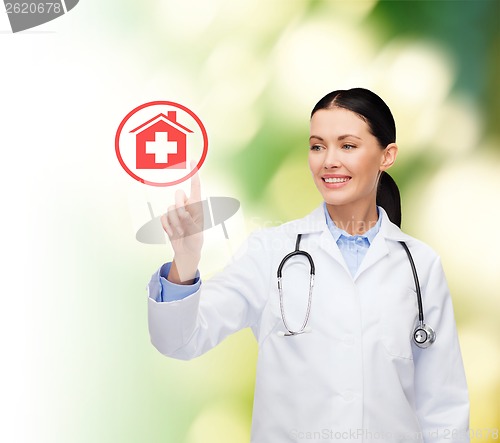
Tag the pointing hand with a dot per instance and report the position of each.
(183, 223)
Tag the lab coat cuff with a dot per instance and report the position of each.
(171, 325)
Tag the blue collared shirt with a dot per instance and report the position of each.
(352, 247)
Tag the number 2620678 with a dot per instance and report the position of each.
(34, 8)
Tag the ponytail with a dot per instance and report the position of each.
(388, 197)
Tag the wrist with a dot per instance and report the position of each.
(187, 262)
(183, 271)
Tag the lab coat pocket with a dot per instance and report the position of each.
(399, 318)
(270, 324)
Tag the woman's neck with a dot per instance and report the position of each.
(354, 219)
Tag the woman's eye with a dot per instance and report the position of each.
(348, 147)
(315, 148)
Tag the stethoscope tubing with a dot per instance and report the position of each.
(417, 283)
(297, 251)
(423, 335)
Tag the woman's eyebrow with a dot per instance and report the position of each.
(341, 137)
(316, 136)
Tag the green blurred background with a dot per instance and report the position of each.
(80, 366)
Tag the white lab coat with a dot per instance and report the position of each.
(357, 376)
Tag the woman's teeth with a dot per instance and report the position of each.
(336, 180)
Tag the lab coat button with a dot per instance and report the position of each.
(348, 396)
(348, 340)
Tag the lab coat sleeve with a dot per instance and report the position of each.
(226, 303)
(442, 400)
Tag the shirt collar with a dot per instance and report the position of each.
(337, 232)
(315, 222)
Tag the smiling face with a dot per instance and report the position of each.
(346, 159)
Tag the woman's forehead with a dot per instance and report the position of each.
(337, 120)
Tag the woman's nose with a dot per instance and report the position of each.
(331, 159)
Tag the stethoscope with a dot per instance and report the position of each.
(423, 335)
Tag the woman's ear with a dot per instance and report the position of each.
(389, 156)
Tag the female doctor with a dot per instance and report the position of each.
(345, 352)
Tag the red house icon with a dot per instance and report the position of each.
(161, 143)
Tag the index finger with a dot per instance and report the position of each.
(195, 185)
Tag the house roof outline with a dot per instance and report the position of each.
(164, 118)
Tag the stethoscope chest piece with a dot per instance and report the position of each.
(424, 336)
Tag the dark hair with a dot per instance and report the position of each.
(377, 115)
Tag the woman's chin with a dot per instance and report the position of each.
(335, 199)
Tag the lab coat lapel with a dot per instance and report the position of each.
(315, 223)
(379, 248)
(328, 244)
